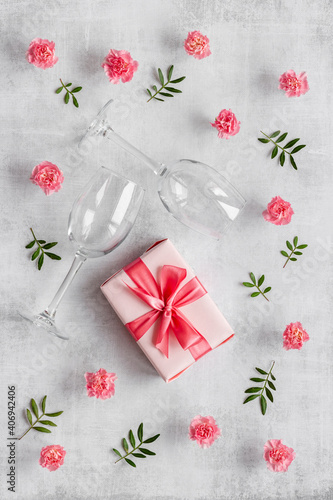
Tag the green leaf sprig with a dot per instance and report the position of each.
(41, 247)
(165, 82)
(143, 451)
(257, 285)
(35, 411)
(254, 390)
(277, 146)
(71, 92)
(294, 250)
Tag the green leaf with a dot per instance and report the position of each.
(56, 414)
(253, 279)
(139, 455)
(35, 254)
(68, 84)
(48, 422)
(40, 262)
(268, 289)
(130, 462)
(282, 137)
(160, 75)
(248, 284)
(152, 439)
(255, 294)
(302, 246)
(53, 256)
(155, 88)
(44, 404)
(30, 245)
(289, 245)
(66, 97)
(178, 80)
(252, 389)
(261, 371)
(158, 99)
(263, 404)
(50, 245)
(151, 95)
(269, 394)
(291, 143)
(77, 89)
(284, 253)
(29, 416)
(146, 452)
(257, 379)
(263, 140)
(271, 385)
(272, 377)
(298, 253)
(282, 158)
(125, 445)
(298, 148)
(41, 429)
(274, 152)
(132, 438)
(76, 104)
(292, 161)
(170, 71)
(166, 94)
(261, 280)
(250, 398)
(59, 90)
(140, 432)
(293, 259)
(295, 241)
(172, 89)
(117, 452)
(41, 242)
(34, 407)
(274, 134)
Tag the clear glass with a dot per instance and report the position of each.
(194, 193)
(101, 218)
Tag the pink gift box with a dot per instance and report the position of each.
(197, 326)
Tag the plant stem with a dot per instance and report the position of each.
(129, 453)
(62, 83)
(275, 143)
(158, 91)
(270, 371)
(38, 419)
(33, 234)
(262, 293)
(289, 258)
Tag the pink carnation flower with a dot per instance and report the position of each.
(41, 53)
(294, 336)
(204, 431)
(48, 177)
(100, 384)
(278, 212)
(226, 124)
(197, 45)
(294, 85)
(278, 456)
(119, 65)
(52, 457)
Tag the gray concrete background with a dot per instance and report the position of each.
(252, 43)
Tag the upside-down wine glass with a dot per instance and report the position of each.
(101, 218)
(194, 193)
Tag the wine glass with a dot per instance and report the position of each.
(101, 218)
(194, 193)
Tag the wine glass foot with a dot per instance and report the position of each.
(43, 320)
(98, 126)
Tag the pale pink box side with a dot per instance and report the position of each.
(203, 313)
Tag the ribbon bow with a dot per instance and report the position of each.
(165, 299)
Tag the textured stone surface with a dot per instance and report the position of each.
(252, 44)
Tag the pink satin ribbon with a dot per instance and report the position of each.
(165, 299)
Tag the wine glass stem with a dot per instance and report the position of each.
(154, 165)
(77, 263)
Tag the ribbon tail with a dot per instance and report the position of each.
(162, 340)
(139, 326)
